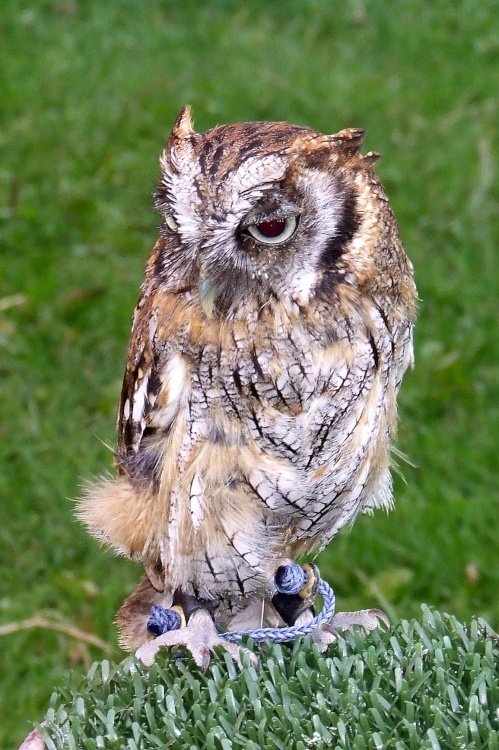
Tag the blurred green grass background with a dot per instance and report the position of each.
(89, 91)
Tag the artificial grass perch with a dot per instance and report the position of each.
(430, 685)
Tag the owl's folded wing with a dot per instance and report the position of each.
(155, 386)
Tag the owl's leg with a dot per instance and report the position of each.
(295, 608)
(259, 612)
(199, 636)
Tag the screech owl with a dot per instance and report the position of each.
(268, 345)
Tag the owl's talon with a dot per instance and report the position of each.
(199, 637)
(381, 616)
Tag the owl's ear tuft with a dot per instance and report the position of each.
(348, 141)
(178, 148)
(370, 159)
(183, 126)
(344, 145)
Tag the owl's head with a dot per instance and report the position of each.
(265, 210)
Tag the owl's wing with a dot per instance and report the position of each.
(139, 385)
(154, 388)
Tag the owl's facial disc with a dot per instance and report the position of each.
(264, 231)
(246, 214)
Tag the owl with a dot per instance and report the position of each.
(268, 345)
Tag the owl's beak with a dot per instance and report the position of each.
(207, 295)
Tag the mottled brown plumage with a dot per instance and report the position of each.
(268, 346)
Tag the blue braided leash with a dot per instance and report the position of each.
(283, 635)
(289, 579)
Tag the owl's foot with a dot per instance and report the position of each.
(199, 637)
(366, 619)
(34, 741)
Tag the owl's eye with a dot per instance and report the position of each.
(170, 222)
(273, 231)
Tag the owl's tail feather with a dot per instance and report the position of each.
(120, 517)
